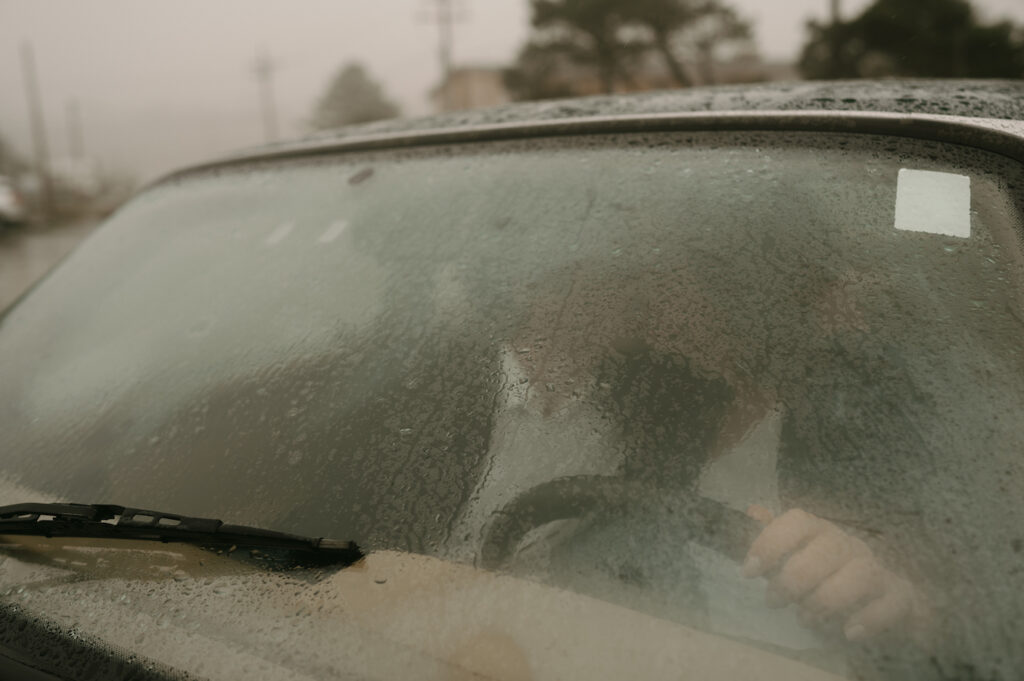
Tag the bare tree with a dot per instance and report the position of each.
(616, 37)
(591, 31)
(716, 28)
(664, 18)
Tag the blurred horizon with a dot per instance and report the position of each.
(165, 83)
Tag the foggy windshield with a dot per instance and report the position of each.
(393, 347)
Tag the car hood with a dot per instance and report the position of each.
(392, 615)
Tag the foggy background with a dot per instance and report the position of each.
(98, 97)
(162, 83)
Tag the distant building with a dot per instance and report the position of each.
(471, 87)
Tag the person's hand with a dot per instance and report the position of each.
(832, 577)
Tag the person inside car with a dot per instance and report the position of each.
(660, 388)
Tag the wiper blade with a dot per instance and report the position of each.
(103, 521)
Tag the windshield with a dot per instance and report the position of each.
(394, 347)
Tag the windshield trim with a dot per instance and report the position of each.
(999, 136)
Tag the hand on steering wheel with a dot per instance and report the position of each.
(808, 561)
(830, 575)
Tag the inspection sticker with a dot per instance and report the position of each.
(937, 203)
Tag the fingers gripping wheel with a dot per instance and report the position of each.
(708, 522)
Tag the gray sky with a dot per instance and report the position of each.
(162, 83)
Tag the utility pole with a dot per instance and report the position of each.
(835, 46)
(76, 141)
(446, 15)
(264, 69)
(446, 25)
(40, 147)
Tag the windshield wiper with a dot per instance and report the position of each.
(102, 521)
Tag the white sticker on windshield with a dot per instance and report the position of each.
(333, 231)
(937, 203)
(280, 234)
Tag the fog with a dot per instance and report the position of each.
(162, 83)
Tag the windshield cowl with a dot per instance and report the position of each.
(403, 616)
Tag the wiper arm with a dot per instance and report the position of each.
(104, 521)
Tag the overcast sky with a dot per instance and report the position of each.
(163, 83)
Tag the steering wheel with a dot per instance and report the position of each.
(710, 523)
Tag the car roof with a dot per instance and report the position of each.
(992, 100)
(1003, 99)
